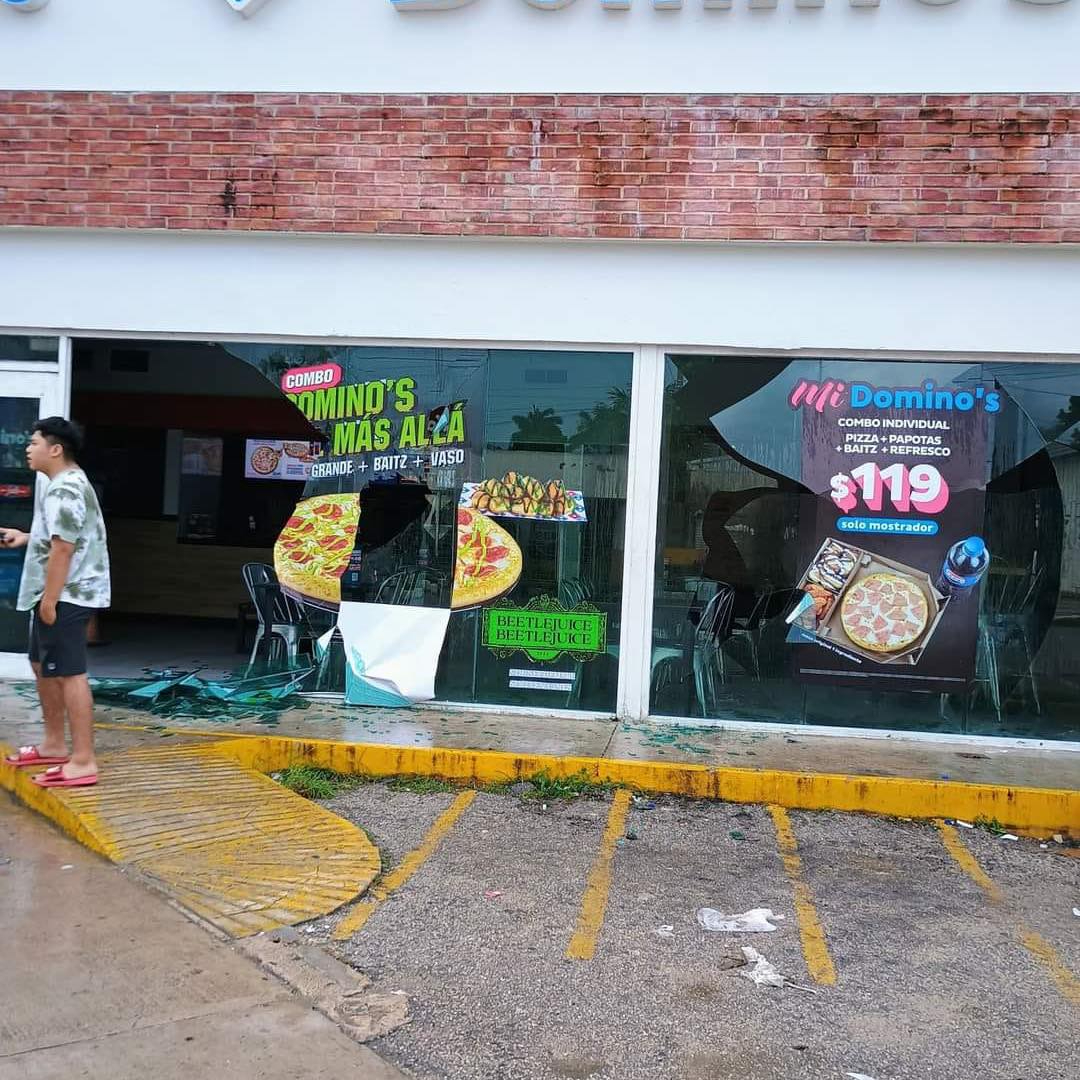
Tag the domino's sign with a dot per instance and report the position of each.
(675, 5)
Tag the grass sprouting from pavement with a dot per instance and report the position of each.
(548, 787)
(312, 782)
(420, 785)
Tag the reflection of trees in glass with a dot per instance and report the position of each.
(538, 429)
(1068, 417)
(606, 424)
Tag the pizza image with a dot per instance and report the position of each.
(264, 459)
(313, 549)
(884, 612)
(488, 560)
(301, 451)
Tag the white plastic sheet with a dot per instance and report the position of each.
(392, 652)
(755, 921)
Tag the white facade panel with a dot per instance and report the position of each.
(911, 298)
(699, 46)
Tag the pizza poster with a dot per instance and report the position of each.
(892, 554)
(279, 459)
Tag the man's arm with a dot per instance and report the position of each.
(56, 574)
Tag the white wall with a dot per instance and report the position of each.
(507, 45)
(975, 298)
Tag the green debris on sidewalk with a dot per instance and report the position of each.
(185, 694)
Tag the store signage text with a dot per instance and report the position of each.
(544, 630)
(247, 8)
(675, 5)
(355, 411)
(832, 395)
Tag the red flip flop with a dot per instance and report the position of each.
(55, 778)
(30, 755)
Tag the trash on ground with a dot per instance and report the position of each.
(493, 894)
(1076, 912)
(963, 824)
(631, 835)
(665, 932)
(755, 921)
(1058, 838)
(764, 974)
(1008, 836)
(67, 866)
(735, 834)
(641, 803)
(859, 1076)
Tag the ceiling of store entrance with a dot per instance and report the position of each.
(171, 367)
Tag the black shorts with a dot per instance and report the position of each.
(60, 649)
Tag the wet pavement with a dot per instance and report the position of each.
(1049, 766)
(936, 978)
(104, 980)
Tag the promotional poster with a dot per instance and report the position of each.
(893, 554)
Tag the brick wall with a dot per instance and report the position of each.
(876, 167)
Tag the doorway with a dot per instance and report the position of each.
(168, 428)
(33, 387)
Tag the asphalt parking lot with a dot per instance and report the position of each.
(532, 938)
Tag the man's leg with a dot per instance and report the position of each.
(79, 702)
(51, 696)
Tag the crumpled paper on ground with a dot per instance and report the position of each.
(755, 921)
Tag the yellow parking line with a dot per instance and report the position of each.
(1036, 944)
(814, 945)
(594, 902)
(401, 873)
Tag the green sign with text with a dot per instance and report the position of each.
(544, 630)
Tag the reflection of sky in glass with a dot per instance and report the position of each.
(765, 430)
(1043, 392)
(568, 383)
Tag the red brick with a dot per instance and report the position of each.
(853, 167)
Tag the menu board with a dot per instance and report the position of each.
(279, 459)
(893, 552)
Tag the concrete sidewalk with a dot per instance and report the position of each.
(104, 979)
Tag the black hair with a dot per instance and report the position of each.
(56, 430)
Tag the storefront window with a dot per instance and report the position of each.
(486, 484)
(870, 544)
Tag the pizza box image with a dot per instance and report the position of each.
(864, 564)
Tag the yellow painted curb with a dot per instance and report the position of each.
(60, 807)
(1040, 810)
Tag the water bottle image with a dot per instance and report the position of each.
(964, 566)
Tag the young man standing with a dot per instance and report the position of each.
(65, 580)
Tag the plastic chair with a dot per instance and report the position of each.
(413, 588)
(280, 617)
(713, 628)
